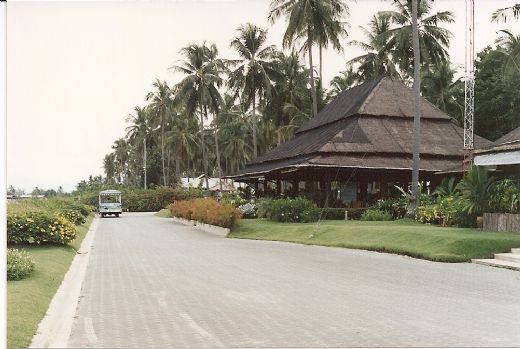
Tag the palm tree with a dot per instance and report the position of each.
(109, 167)
(288, 106)
(121, 156)
(378, 59)
(502, 15)
(510, 46)
(251, 76)
(433, 40)
(440, 88)
(318, 21)
(181, 137)
(417, 106)
(198, 90)
(345, 80)
(160, 101)
(138, 132)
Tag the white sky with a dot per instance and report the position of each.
(75, 70)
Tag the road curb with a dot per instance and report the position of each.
(55, 328)
(208, 228)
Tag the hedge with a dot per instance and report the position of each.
(39, 227)
(207, 211)
(146, 200)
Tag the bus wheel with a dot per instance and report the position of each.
(117, 215)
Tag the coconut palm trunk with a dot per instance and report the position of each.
(255, 149)
(417, 115)
(144, 161)
(311, 74)
(162, 150)
(218, 153)
(204, 159)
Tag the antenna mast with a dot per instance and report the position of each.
(469, 86)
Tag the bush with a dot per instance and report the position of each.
(207, 211)
(19, 264)
(248, 210)
(264, 207)
(376, 215)
(339, 213)
(396, 207)
(293, 210)
(234, 199)
(74, 216)
(447, 211)
(39, 227)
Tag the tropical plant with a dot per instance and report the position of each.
(476, 188)
(378, 59)
(503, 14)
(439, 87)
(447, 188)
(198, 91)
(343, 81)
(434, 40)
(315, 21)
(509, 45)
(251, 77)
(160, 104)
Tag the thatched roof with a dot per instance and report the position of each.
(508, 142)
(369, 126)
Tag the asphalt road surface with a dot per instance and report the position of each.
(154, 283)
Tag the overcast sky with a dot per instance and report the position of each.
(75, 70)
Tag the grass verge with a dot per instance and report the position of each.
(164, 213)
(28, 299)
(401, 237)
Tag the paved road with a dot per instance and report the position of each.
(153, 283)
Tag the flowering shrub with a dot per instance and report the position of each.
(234, 199)
(294, 210)
(447, 211)
(248, 210)
(19, 264)
(395, 206)
(264, 207)
(207, 211)
(75, 216)
(39, 227)
(376, 215)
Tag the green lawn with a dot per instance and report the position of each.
(28, 299)
(164, 213)
(402, 237)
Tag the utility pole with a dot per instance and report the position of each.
(417, 112)
(469, 87)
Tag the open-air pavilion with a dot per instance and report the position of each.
(359, 146)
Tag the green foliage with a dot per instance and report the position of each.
(505, 197)
(497, 95)
(39, 227)
(293, 210)
(19, 264)
(234, 199)
(264, 207)
(476, 188)
(395, 206)
(447, 187)
(447, 211)
(376, 215)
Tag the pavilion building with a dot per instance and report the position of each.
(359, 146)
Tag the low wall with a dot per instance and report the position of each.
(208, 228)
(507, 222)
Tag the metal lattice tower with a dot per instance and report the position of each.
(469, 85)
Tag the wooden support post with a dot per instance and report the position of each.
(296, 188)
